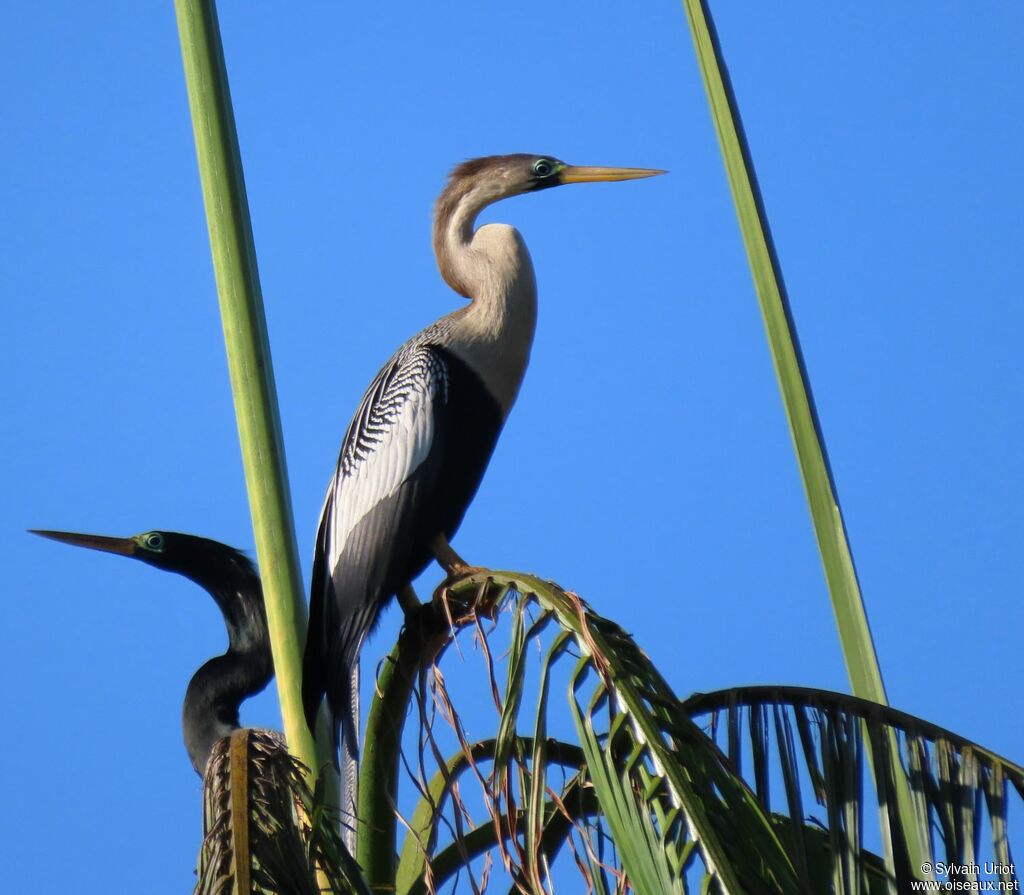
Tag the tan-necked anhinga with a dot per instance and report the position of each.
(218, 688)
(421, 438)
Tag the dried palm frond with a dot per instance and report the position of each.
(263, 830)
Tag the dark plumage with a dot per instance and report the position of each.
(219, 687)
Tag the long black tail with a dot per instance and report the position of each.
(346, 741)
(343, 718)
(343, 726)
(314, 684)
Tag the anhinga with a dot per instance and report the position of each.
(419, 443)
(218, 688)
(254, 795)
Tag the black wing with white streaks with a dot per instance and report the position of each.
(366, 544)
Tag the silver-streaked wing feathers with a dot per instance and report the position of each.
(390, 437)
(388, 460)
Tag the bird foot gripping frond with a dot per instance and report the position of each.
(464, 599)
(460, 602)
(458, 574)
(430, 627)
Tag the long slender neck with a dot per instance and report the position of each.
(454, 219)
(492, 267)
(218, 688)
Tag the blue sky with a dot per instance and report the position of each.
(649, 441)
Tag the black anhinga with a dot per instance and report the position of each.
(421, 438)
(219, 687)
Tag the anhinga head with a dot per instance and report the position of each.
(218, 688)
(199, 559)
(210, 564)
(479, 182)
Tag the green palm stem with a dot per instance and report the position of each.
(412, 877)
(847, 603)
(377, 821)
(427, 632)
(249, 363)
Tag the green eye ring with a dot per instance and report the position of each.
(543, 167)
(153, 541)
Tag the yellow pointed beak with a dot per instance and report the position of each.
(578, 174)
(121, 546)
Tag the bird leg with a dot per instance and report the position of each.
(408, 600)
(425, 632)
(453, 564)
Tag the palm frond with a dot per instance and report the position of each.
(650, 778)
(797, 397)
(960, 790)
(650, 802)
(263, 829)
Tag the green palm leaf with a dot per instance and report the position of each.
(650, 801)
(794, 384)
(808, 440)
(663, 791)
(816, 735)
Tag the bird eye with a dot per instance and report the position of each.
(154, 541)
(542, 167)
